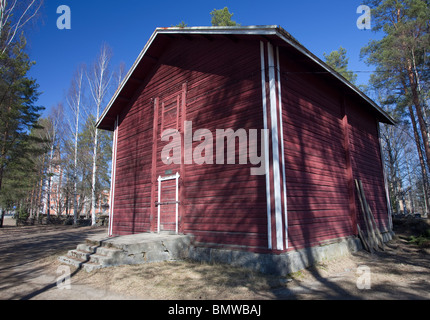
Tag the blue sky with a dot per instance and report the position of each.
(321, 26)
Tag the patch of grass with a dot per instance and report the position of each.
(298, 275)
(422, 240)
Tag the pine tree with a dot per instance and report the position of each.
(339, 62)
(18, 112)
(222, 17)
(18, 119)
(401, 58)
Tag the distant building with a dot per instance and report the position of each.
(58, 200)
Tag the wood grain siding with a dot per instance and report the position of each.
(367, 163)
(134, 160)
(224, 204)
(219, 204)
(321, 138)
(318, 206)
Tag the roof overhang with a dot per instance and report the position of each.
(161, 38)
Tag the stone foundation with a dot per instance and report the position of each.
(282, 264)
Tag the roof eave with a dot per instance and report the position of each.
(126, 78)
(261, 30)
(293, 42)
(250, 30)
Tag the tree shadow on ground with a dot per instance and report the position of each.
(23, 249)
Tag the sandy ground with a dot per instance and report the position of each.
(29, 270)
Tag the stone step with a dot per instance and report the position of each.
(137, 249)
(79, 255)
(97, 258)
(105, 251)
(87, 266)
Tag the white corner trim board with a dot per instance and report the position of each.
(113, 176)
(276, 130)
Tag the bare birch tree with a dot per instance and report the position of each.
(51, 134)
(74, 101)
(99, 78)
(16, 14)
(119, 75)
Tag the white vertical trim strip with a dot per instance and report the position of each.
(159, 207)
(284, 181)
(113, 177)
(177, 204)
(266, 146)
(275, 149)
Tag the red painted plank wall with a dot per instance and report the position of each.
(317, 176)
(318, 207)
(134, 149)
(223, 204)
(366, 163)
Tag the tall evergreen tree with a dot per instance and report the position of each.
(18, 117)
(401, 58)
(18, 112)
(222, 17)
(338, 60)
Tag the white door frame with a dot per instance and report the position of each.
(160, 179)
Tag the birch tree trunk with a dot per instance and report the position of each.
(74, 101)
(98, 79)
(93, 183)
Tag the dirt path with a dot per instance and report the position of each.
(29, 270)
(28, 266)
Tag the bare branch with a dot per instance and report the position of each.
(98, 81)
(7, 13)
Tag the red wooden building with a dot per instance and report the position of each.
(322, 134)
